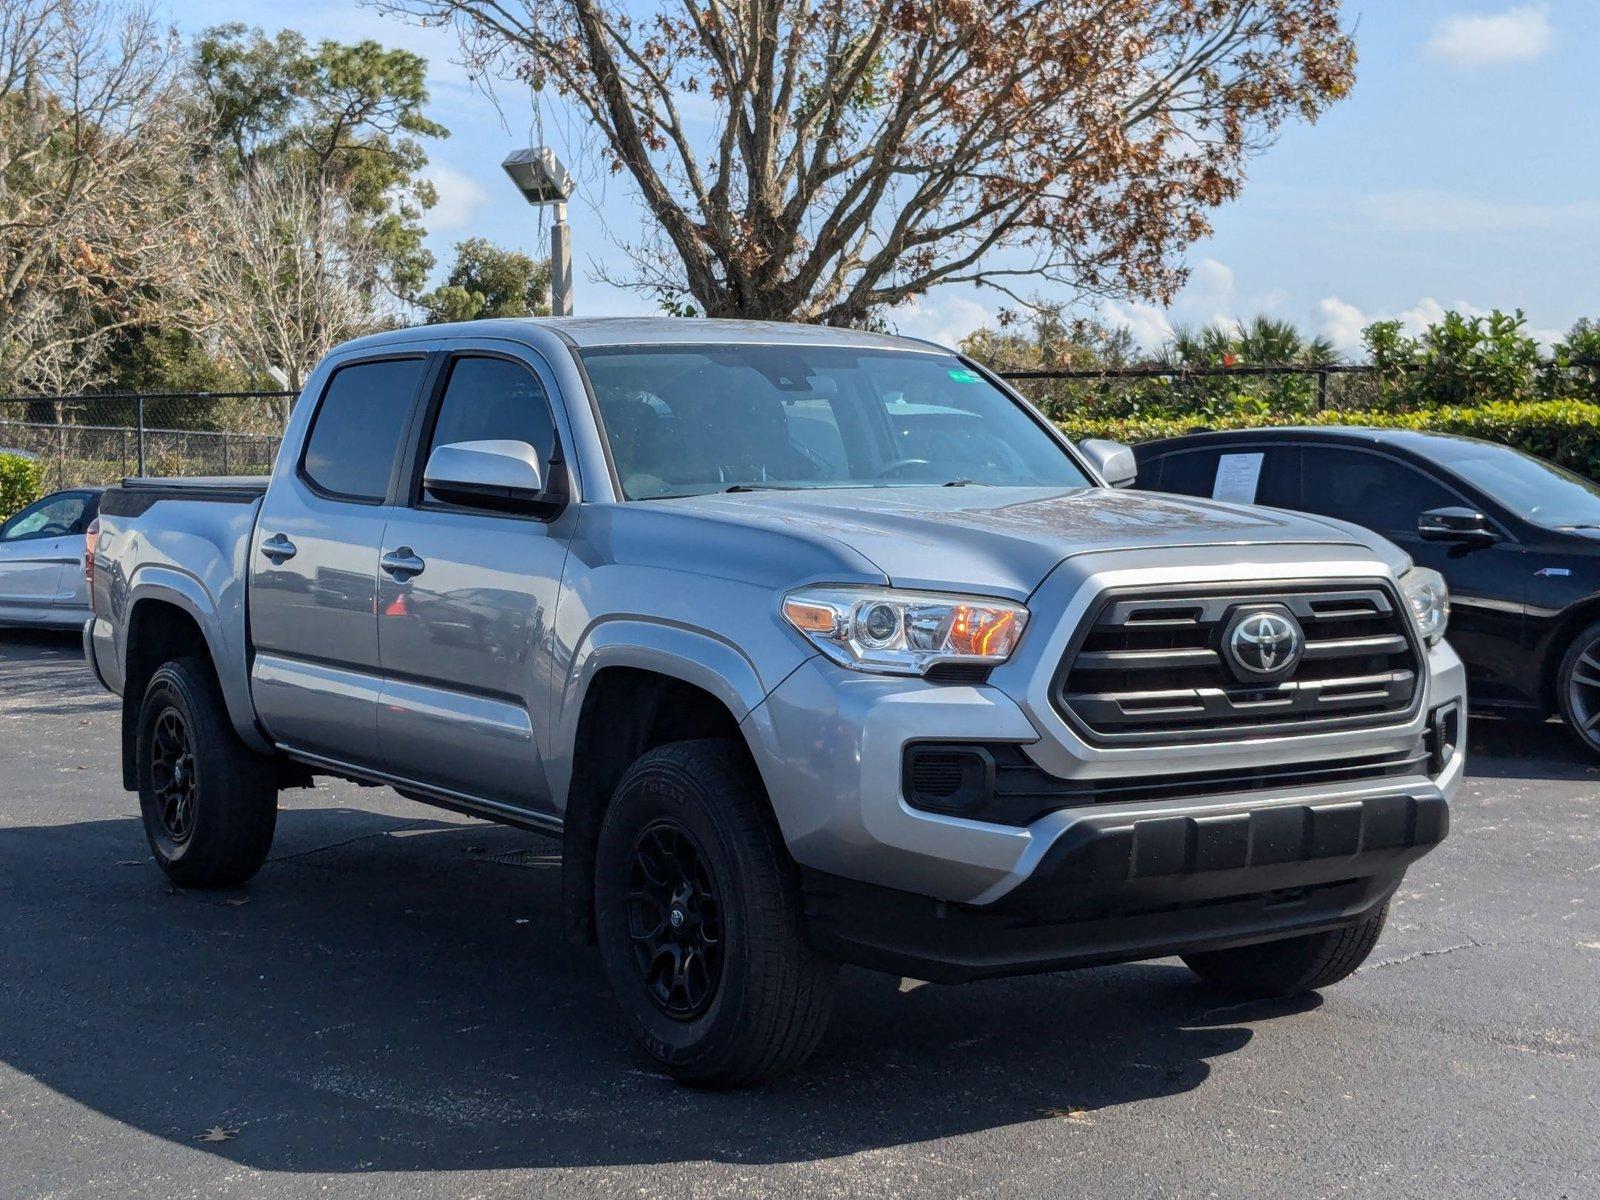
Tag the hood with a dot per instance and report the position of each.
(1004, 541)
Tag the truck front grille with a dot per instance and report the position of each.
(1150, 667)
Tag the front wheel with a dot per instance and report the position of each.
(698, 914)
(1578, 685)
(1290, 966)
(210, 804)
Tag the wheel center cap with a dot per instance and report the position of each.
(677, 918)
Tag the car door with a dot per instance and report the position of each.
(467, 599)
(313, 598)
(39, 546)
(1487, 582)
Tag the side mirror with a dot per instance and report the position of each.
(1460, 525)
(1113, 460)
(503, 475)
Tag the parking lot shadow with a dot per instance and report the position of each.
(1506, 749)
(393, 994)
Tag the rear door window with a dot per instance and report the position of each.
(359, 425)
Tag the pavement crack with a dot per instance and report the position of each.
(1416, 954)
(360, 837)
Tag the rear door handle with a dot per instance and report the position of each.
(278, 548)
(402, 563)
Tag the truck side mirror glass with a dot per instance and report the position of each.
(493, 474)
(1461, 525)
(1113, 460)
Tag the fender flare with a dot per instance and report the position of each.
(696, 657)
(164, 584)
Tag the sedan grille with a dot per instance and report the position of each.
(1151, 667)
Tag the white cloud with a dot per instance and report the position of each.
(460, 197)
(1341, 323)
(944, 318)
(1489, 39)
(1147, 323)
(1420, 210)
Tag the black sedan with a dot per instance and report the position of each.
(1516, 538)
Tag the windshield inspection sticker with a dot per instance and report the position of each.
(1237, 477)
(961, 376)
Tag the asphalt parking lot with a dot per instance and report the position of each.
(388, 1010)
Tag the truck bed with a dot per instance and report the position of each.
(135, 494)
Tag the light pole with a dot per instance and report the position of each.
(542, 180)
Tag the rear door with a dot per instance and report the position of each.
(464, 625)
(314, 565)
(39, 546)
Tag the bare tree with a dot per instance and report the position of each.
(93, 150)
(825, 159)
(286, 274)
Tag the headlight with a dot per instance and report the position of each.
(1429, 600)
(904, 633)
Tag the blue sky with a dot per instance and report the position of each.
(1463, 172)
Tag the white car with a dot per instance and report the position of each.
(41, 561)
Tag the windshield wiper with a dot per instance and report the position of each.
(965, 483)
(759, 487)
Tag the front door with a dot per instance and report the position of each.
(314, 566)
(38, 547)
(466, 602)
(1487, 583)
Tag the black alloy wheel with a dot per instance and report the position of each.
(675, 920)
(172, 775)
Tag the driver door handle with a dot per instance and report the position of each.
(278, 548)
(402, 563)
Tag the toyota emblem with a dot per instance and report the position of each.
(1264, 643)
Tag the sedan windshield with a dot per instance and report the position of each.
(684, 421)
(1537, 491)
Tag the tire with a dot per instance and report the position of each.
(1290, 966)
(209, 803)
(732, 994)
(1578, 688)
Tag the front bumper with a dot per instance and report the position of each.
(1115, 889)
(830, 746)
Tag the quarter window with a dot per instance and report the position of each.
(358, 428)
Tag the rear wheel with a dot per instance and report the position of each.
(209, 803)
(1579, 687)
(1290, 966)
(698, 913)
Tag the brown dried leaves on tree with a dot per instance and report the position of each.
(826, 159)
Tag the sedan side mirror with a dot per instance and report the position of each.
(503, 475)
(1460, 525)
(1113, 460)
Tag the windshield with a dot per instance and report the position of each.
(683, 421)
(1537, 491)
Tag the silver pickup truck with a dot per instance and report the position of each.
(812, 647)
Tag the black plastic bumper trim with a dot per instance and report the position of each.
(1116, 888)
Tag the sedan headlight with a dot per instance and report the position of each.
(1429, 600)
(904, 633)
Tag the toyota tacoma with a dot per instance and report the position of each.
(811, 646)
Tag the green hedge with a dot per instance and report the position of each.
(1563, 431)
(19, 483)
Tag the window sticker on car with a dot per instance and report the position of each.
(961, 376)
(1237, 477)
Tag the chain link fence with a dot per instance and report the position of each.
(91, 440)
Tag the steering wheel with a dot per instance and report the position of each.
(54, 530)
(901, 465)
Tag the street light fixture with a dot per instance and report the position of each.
(542, 180)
